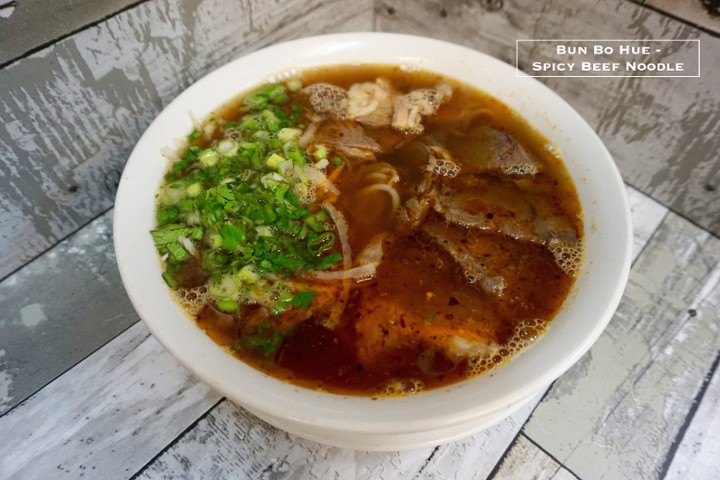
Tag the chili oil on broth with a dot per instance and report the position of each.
(420, 322)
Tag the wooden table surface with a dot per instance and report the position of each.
(87, 392)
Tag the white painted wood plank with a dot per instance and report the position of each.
(106, 417)
(230, 443)
(620, 410)
(72, 112)
(661, 131)
(34, 23)
(526, 461)
(647, 215)
(698, 455)
(59, 309)
(700, 12)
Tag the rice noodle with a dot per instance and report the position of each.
(368, 260)
(358, 273)
(394, 195)
(342, 230)
(383, 172)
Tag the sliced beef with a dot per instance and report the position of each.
(481, 257)
(491, 206)
(371, 103)
(409, 109)
(485, 149)
(348, 138)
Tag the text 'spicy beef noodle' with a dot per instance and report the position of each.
(368, 230)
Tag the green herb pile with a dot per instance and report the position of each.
(242, 209)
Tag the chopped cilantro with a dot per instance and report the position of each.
(304, 299)
(240, 206)
(266, 341)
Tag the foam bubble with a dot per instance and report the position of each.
(192, 300)
(401, 387)
(326, 97)
(520, 169)
(441, 163)
(568, 256)
(490, 356)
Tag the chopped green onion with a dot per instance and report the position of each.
(320, 152)
(294, 84)
(194, 189)
(237, 205)
(208, 157)
(274, 160)
(263, 231)
(247, 274)
(225, 287)
(227, 305)
(194, 135)
(227, 147)
(288, 134)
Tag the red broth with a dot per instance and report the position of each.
(480, 244)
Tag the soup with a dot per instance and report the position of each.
(368, 230)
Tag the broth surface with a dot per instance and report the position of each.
(465, 233)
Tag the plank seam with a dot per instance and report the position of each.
(553, 457)
(677, 441)
(69, 34)
(57, 243)
(689, 23)
(56, 377)
(504, 455)
(651, 237)
(670, 210)
(502, 458)
(177, 438)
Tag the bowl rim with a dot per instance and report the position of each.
(437, 408)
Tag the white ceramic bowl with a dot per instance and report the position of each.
(391, 423)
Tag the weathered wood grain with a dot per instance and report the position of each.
(106, 417)
(699, 12)
(661, 131)
(230, 443)
(526, 460)
(621, 411)
(33, 23)
(72, 112)
(698, 451)
(647, 215)
(59, 309)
